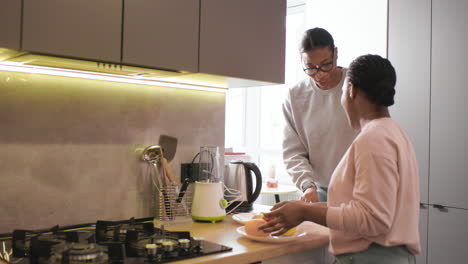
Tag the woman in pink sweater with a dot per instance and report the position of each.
(373, 204)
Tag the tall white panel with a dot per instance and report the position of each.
(409, 50)
(449, 94)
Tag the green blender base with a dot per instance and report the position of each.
(213, 219)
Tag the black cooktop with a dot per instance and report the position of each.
(129, 241)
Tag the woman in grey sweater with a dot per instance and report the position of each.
(317, 133)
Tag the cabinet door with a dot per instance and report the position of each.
(243, 38)
(423, 215)
(448, 236)
(409, 50)
(449, 94)
(10, 24)
(86, 29)
(161, 34)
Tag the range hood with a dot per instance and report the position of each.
(14, 58)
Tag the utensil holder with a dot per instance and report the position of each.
(165, 205)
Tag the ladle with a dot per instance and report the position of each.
(151, 154)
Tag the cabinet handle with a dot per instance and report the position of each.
(440, 207)
(421, 205)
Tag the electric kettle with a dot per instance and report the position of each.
(238, 176)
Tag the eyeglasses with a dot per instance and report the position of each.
(311, 71)
(314, 70)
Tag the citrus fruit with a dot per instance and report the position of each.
(290, 232)
(251, 228)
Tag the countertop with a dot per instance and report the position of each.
(245, 250)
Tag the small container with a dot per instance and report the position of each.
(272, 181)
(184, 243)
(197, 242)
(151, 249)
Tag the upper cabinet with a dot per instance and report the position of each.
(243, 38)
(161, 34)
(10, 24)
(86, 29)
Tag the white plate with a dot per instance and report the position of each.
(270, 239)
(243, 218)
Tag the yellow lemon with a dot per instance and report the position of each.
(258, 216)
(290, 232)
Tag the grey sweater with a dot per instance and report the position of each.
(317, 133)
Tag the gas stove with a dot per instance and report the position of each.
(129, 241)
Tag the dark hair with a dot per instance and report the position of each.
(316, 38)
(375, 76)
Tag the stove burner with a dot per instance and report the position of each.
(86, 253)
(107, 231)
(129, 241)
(48, 249)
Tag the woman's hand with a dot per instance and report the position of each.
(310, 195)
(284, 216)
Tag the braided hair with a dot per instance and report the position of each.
(375, 76)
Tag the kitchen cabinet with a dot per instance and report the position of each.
(449, 122)
(10, 24)
(86, 29)
(423, 215)
(448, 236)
(243, 38)
(161, 34)
(409, 50)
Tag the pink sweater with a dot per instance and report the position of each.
(373, 195)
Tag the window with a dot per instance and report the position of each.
(254, 118)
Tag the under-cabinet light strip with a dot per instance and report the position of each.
(18, 67)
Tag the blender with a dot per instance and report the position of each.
(208, 203)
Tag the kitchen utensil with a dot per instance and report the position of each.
(208, 203)
(161, 203)
(5, 255)
(238, 176)
(169, 147)
(168, 172)
(151, 154)
(183, 189)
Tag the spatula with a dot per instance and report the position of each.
(169, 146)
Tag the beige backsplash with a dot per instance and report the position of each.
(67, 145)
